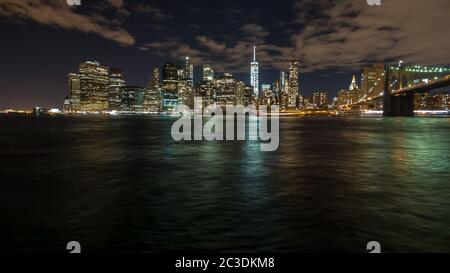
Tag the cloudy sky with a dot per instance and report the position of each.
(44, 40)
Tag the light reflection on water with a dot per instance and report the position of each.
(122, 184)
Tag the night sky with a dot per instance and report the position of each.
(42, 41)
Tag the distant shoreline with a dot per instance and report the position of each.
(305, 114)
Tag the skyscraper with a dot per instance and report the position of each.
(276, 91)
(225, 90)
(208, 73)
(240, 92)
(189, 72)
(267, 96)
(170, 72)
(254, 74)
(132, 99)
(350, 96)
(353, 85)
(74, 93)
(116, 82)
(372, 80)
(205, 90)
(284, 91)
(169, 90)
(185, 93)
(293, 85)
(94, 82)
(152, 99)
(320, 100)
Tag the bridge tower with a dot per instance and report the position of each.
(396, 105)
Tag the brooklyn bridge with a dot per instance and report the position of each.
(400, 84)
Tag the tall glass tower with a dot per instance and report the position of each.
(189, 72)
(254, 74)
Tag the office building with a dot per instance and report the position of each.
(94, 82)
(152, 99)
(225, 90)
(254, 74)
(132, 99)
(73, 102)
(116, 82)
(169, 90)
(208, 73)
(320, 100)
(372, 81)
(293, 85)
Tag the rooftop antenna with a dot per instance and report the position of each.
(254, 53)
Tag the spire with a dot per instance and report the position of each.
(254, 53)
(353, 85)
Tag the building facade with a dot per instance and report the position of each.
(132, 99)
(73, 101)
(169, 89)
(350, 96)
(94, 82)
(372, 81)
(189, 72)
(320, 100)
(116, 82)
(225, 90)
(254, 74)
(208, 73)
(293, 86)
(152, 99)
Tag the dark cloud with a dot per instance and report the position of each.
(59, 15)
(321, 34)
(152, 11)
(253, 30)
(349, 33)
(342, 35)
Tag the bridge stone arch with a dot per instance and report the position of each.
(394, 82)
(404, 82)
(404, 78)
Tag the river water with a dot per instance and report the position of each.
(121, 184)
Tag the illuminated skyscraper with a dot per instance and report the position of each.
(208, 73)
(152, 99)
(372, 80)
(74, 93)
(205, 90)
(132, 99)
(293, 85)
(249, 96)
(267, 96)
(185, 93)
(320, 100)
(240, 92)
(254, 74)
(353, 85)
(225, 90)
(170, 76)
(94, 82)
(189, 72)
(116, 82)
(348, 97)
(284, 91)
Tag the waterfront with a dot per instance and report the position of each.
(121, 184)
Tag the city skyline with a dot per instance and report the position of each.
(139, 35)
(96, 88)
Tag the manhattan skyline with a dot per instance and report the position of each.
(48, 39)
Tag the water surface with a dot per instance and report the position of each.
(121, 184)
